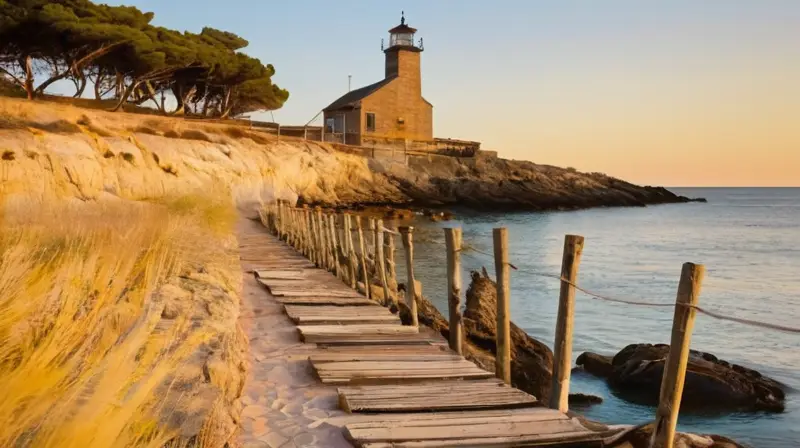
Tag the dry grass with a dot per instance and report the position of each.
(85, 356)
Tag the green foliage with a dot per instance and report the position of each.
(125, 56)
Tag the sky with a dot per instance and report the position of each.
(668, 92)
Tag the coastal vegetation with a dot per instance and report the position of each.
(127, 60)
(118, 323)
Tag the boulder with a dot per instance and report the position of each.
(636, 371)
(639, 437)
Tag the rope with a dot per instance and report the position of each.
(594, 295)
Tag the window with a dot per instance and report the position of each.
(329, 124)
(370, 122)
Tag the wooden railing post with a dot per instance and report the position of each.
(380, 262)
(310, 233)
(669, 402)
(361, 246)
(351, 251)
(278, 220)
(304, 224)
(318, 238)
(411, 286)
(391, 269)
(453, 240)
(562, 347)
(503, 334)
(335, 244)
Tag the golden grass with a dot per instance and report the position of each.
(85, 357)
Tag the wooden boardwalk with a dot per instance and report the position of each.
(403, 386)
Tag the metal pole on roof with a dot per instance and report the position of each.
(349, 78)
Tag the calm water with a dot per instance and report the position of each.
(749, 240)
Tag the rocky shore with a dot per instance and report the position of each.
(492, 183)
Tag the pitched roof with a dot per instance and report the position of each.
(351, 99)
(403, 28)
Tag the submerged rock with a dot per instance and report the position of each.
(584, 400)
(636, 372)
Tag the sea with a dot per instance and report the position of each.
(747, 238)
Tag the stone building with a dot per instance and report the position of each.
(391, 110)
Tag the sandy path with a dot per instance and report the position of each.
(284, 405)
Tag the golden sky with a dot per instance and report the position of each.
(671, 92)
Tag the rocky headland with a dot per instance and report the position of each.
(52, 149)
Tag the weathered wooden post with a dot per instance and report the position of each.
(351, 251)
(669, 402)
(278, 223)
(452, 239)
(290, 227)
(306, 239)
(391, 269)
(361, 246)
(411, 286)
(326, 235)
(502, 360)
(312, 255)
(335, 245)
(380, 262)
(318, 237)
(562, 347)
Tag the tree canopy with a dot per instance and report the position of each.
(125, 57)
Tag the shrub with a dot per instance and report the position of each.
(9, 155)
(236, 132)
(130, 158)
(193, 134)
(58, 127)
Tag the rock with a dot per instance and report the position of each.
(584, 399)
(639, 437)
(595, 364)
(531, 360)
(636, 373)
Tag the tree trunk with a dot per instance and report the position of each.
(51, 80)
(183, 99)
(98, 95)
(120, 82)
(27, 64)
(206, 100)
(81, 87)
(124, 97)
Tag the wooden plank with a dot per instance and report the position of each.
(390, 355)
(356, 330)
(370, 372)
(296, 292)
(393, 366)
(444, 395)
(305, 290)
(547, 430)
(584, 439)
(317, 300)
(336, 353)
(459, 417)
(341, 314)
(337, 311)
(298, 274)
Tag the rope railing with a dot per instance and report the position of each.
(327, 240)
(607, 298)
